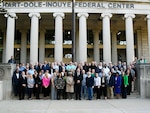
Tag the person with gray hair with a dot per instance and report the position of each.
(90, 85)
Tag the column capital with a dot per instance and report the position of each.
(129, 15)
(148, 16)
(12, 15)
(59, 14)
(34, 14)
(106, 14)
(83, 14)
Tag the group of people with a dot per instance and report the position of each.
(74, 80)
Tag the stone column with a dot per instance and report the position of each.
(139, 43)
(4, 47)
(82, 37)
(96, 46)
(148, 27)
(42, 46)
(58, 52)
(1, 90)
(10, 35)
(114, 47)
(23, 46)
(34, 34)
(106, 37)
(77, 46)
(129, 37)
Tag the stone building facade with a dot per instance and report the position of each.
(109, 30)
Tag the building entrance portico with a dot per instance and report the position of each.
(105, 31)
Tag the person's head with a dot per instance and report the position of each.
(45, 62)
(47, 71)
(119, 62)
(93, 70)
(122, 73)
(105, 65)
(56, 70)
(46, 75)
(12, 57)
(117, 74)
(129, 66)
(70, 73)
(128, 71)
(83, 71)
(132, 66)
(23, 73)
(70, 63)
(60, 75)
(63, 69)
(96, 75)
(112, 70)
(100, 64)
(89, 74)
(30, 75)
(32, 66)
(110, 64)
(78, 69)
(35, 73)
(90, 70)
(17, 70)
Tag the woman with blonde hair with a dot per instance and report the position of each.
(30, 85)
(70, 85)
(46, 84)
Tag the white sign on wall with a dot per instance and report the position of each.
(67, 4)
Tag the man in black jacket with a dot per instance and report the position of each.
(90, 85)
(15, 81)
(22, 85)
(78, 82)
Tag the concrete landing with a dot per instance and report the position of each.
(130, 105)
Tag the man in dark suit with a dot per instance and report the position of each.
(12, 60)
(78, 82)
(15, 81)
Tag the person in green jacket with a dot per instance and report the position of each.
(124, 84)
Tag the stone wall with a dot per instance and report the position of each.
(6, 72)
(143, 79)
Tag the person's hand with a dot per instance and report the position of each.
(24, 85)
(78, 81)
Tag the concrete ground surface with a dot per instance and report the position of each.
(132, 104)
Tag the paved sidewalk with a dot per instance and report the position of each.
(130, 105)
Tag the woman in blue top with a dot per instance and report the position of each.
(117, 88)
